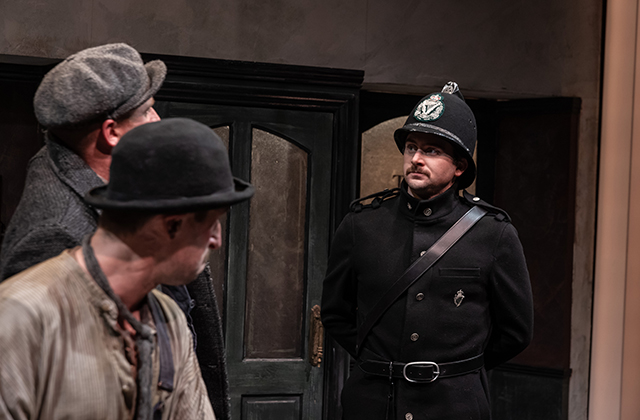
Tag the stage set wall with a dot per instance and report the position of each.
(501, 49)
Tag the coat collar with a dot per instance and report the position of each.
(70, 168)
(427, 211)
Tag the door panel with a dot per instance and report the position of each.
(275, 254)
(275, 267)
(271, 408)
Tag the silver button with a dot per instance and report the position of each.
(476, 198)
(422, 253)
(420, 296)
(409, 206)
(106, 306)
(427, 212)
(414, 337)
(408, 416)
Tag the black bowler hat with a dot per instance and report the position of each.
(173, 165)
(445, 114)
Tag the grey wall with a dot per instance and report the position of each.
(497, 48)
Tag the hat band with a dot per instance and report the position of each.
(127, 196)
(445, 133)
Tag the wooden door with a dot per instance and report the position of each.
(292, 132)
(272, 266)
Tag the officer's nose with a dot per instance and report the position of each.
(417, 158)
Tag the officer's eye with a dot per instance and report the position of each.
(411, 148)
(431, 151)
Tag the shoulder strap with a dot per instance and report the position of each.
(167, 368)
(418, 268)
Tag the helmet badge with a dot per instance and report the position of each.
(430, 109)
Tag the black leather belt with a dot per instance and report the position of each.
(421, 372)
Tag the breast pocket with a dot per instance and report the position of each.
(460, 302)
(459, 272)
(458, 286)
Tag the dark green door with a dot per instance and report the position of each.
(269, 274)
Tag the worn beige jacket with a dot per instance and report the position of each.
(62, 353)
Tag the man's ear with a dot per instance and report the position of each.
(461, 166)
(172, 224)
(216, 237)
(109, 136)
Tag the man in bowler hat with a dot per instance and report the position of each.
(422, 350)
(87, 334)
(87, 103)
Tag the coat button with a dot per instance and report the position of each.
(105, 306)
(414, 337)
(408, 416)
(420, 296)
(409, 206)
(422, 253)
(427, 212)
(476, 198)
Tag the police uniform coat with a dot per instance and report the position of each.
(371, 249)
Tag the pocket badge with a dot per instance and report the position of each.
(457, 299)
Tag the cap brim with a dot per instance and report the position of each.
(98, 197)
(157, 72)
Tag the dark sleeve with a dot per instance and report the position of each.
(39, 244)
(511, 301)
(210, 350)
(339, 292)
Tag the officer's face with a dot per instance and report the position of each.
(429, 165)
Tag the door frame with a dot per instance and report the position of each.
(335, 91)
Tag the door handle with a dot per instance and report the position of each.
(316, 337)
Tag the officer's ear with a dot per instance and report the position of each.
(461, 166)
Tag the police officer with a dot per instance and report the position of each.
(426, 353)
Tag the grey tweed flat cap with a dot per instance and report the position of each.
(100, 82)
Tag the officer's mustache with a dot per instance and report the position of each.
(416, 170)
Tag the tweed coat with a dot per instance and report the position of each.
(52, 216)
(371, 249)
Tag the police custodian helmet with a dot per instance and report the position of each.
(445, 114)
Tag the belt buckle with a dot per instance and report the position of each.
(435, 372)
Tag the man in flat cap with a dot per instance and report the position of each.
(87, 334)
(87, 103)
(427, 288)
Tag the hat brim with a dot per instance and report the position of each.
(469, 175)
(157, 72)
(98, 197)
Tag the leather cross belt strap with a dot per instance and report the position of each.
(421, 372)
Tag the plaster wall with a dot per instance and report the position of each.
(496, 49)
(499, 48)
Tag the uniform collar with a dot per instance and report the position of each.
(70, 167)
(427, 210)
